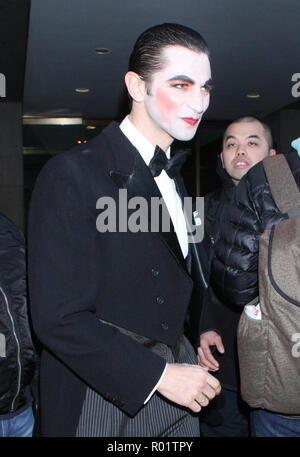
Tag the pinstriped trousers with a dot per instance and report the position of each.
(158, 418)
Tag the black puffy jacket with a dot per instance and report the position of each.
(17, 355)
(217, 314)
(235, 265)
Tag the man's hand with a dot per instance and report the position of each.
(205, 357)
(188, 385)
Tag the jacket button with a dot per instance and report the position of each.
(164, 326)
(160, 300)
(155, 272)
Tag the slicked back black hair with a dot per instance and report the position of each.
(146, 57)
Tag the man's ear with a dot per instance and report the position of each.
(273, 152)
(221, 157)
(136, 86)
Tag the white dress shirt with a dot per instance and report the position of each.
(167, 189)
(165, 184)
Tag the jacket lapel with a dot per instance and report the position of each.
(131, 173)
(197, 262)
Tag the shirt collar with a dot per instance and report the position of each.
(145, 148)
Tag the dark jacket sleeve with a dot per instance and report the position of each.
(217, 315)
(13, 283)
(210, 310)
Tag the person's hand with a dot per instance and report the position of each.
(205, 357)
(187, 385)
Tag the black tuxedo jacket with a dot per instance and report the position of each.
(78, 275)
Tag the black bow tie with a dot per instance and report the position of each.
(171, 166)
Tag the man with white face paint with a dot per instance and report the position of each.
(176, 98)
(109, 307)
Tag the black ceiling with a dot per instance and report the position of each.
(254, 48)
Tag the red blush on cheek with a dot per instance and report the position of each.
(164, 104)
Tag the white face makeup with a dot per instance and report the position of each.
(179, 95)
(245, 144)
